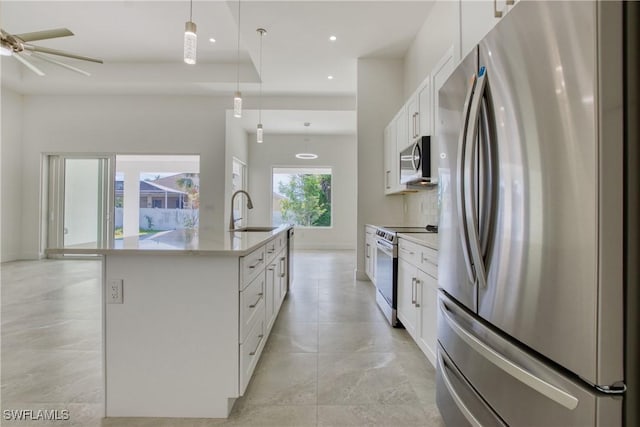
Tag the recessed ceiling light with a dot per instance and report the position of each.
(333, 38)
(212, 40)
(330, 77)
(306, 156)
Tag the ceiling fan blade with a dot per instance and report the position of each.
(62, 64)
(60, 53)
(42, 35)
(28, 64)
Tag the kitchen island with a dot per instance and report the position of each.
(185, 318)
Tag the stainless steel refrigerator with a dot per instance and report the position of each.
(531, 294)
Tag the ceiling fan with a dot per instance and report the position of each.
(17, 45)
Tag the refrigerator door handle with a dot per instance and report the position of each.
(488, 173)
(460, 190)
(454, 395)
(470, 178)
(549, 390)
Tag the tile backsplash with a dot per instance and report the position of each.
(421, 207)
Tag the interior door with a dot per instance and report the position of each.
(80, 200)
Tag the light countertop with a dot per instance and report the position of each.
(229, 243)
(427, 239)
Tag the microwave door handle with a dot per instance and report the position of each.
(470, 180)
(460, 188)
(416, 157)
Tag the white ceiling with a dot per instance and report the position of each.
(141, 44)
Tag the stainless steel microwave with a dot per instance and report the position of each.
(415, 163)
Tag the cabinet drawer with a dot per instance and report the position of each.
(250, 352)
(409, 251)
(251, 265)
(429, 261)
(282, 241)
(251, 304)
(423, 257)
(275, 246)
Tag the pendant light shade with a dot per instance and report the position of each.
(259, 130)
(260, 134)
(237, 98)
(237, 104)
(190, 38)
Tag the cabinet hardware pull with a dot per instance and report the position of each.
(496, 13)
(257, 301)
(256, 264)
(282, 260)
(387, 175)
(417, 304)
(413, 290)
(407, 251)
(253, 353)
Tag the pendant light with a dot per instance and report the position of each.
(259, 130)
(237, 98)
(306, 155)
(190, 38)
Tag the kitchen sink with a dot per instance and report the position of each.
(256, 228)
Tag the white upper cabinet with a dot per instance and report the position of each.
(425, 109)
(477, 18)
(402, 129)
(419, 109)
(395, 139)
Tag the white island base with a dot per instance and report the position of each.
(171, 349)
(194, 317)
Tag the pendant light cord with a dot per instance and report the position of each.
(238, 53)
(260, 98)
(190, 10)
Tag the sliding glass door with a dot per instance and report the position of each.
(80, 200)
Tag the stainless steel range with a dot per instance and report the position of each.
(387, 268)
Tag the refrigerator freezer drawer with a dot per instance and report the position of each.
(458, 403)
(521, 388)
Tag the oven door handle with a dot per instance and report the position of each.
(385, 247)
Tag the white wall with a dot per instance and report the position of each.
(236, 146)
(379, 97)
(115, 124)
(437, 34)
(124, 125)
(383, 87)
(11, 175)
(336, 152)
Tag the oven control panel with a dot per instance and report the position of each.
(389, 237)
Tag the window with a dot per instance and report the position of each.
(156, 193)
(302, 196)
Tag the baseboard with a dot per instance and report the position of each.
(361, 275)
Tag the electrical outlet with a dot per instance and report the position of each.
(114, 291)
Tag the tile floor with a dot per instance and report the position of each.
(331, 359)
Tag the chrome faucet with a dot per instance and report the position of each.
(232, 222)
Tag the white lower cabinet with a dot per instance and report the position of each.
(427, 288)
(370, 253)
(251, 349)
(407, 310)
(266, 271)
(417, 296)
(270, 298)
